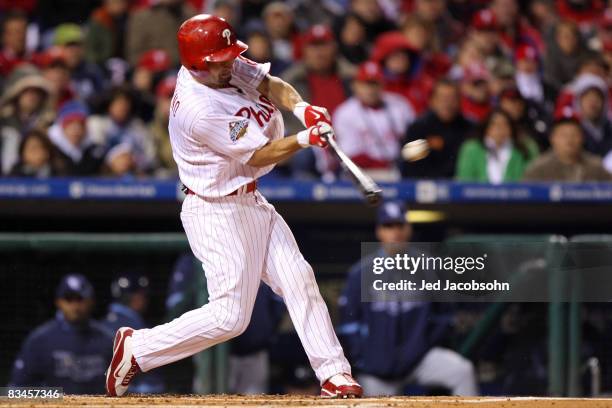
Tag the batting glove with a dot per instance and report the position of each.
(313, 135)
(311, 115)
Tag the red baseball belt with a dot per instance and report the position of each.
(244, 189)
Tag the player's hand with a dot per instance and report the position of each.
(313, 135)
(311, 115)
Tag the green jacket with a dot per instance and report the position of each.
(472, 162)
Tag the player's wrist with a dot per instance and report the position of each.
(299, 110)
(303, 138)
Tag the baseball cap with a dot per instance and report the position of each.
(68, 33)
(369, 71)
(510, 93)
(74, 284)
(129, 282)
(484, 20)
(156, 60)
(392, 212)
(526, 52)
(318, 34)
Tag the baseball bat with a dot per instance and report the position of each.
(370, 190)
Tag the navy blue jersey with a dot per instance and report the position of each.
(386, 339)
(60, 354)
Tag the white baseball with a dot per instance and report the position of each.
(415, 150)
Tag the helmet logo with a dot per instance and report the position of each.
(227, 34)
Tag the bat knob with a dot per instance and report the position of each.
(374, 198)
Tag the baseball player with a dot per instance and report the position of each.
(226, 131)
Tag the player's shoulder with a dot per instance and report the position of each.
(40, 333)
(101, 329)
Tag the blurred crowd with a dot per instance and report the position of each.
(500, 91)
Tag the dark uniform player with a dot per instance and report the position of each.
(69, 351)
(130, 292)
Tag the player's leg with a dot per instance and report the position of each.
(449, 369)
(292, 278)
(374, 386)
(228, 235)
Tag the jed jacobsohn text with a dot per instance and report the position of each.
(444, 285)
(412, 264)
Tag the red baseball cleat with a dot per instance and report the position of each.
(341, 386)
(123, 366)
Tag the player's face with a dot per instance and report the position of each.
(219, 73)
(74, 308)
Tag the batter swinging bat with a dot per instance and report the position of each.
(368, 187)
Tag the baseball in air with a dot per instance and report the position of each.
(415, 150)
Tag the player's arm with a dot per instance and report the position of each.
(284, 96)
(281, 149)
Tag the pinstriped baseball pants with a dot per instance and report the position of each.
(240, 241)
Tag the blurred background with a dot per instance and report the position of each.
(508, 98)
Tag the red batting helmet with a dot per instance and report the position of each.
(205, 38)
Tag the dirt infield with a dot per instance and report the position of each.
(136, 401)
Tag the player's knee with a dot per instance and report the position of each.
(232, 325)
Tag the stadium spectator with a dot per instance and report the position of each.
(260, 48)
(372, 17)
(514, 29)
(13, 52)
(469, 54)
(564, 51)
(475, 93)
(483, 33)
(352, 40)
(591, 106)
(79, 154)
(69, 351)
(106, 29)
(323, 78)
(37, 157)
(156, 27)
(130, 293)
(530, 118)
(444, 128)
(152, 67)
(497, 155)
(370, 124)
(226, 9)
(567, 160)
(392, 342)
(55, 70)
(86, 78)
(24, 105)
(119, 126)
(159, 128)
(280, 25)
(527, 76)
(444, 30)
(403, 69)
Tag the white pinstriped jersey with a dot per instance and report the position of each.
(214, 132)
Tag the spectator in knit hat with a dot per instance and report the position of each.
(498, 155)
(24, 105)
(591, 106)
(118, 125)
(151, 68)
(156, 27)
(565, 49)
(370, 124)
(159, 127)
(475, 93)
(80, 156)
(403, 69)
(13, 44)
(87, 79)
(106, 28)
(37, 157)
(567, 160)
(444, 128)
